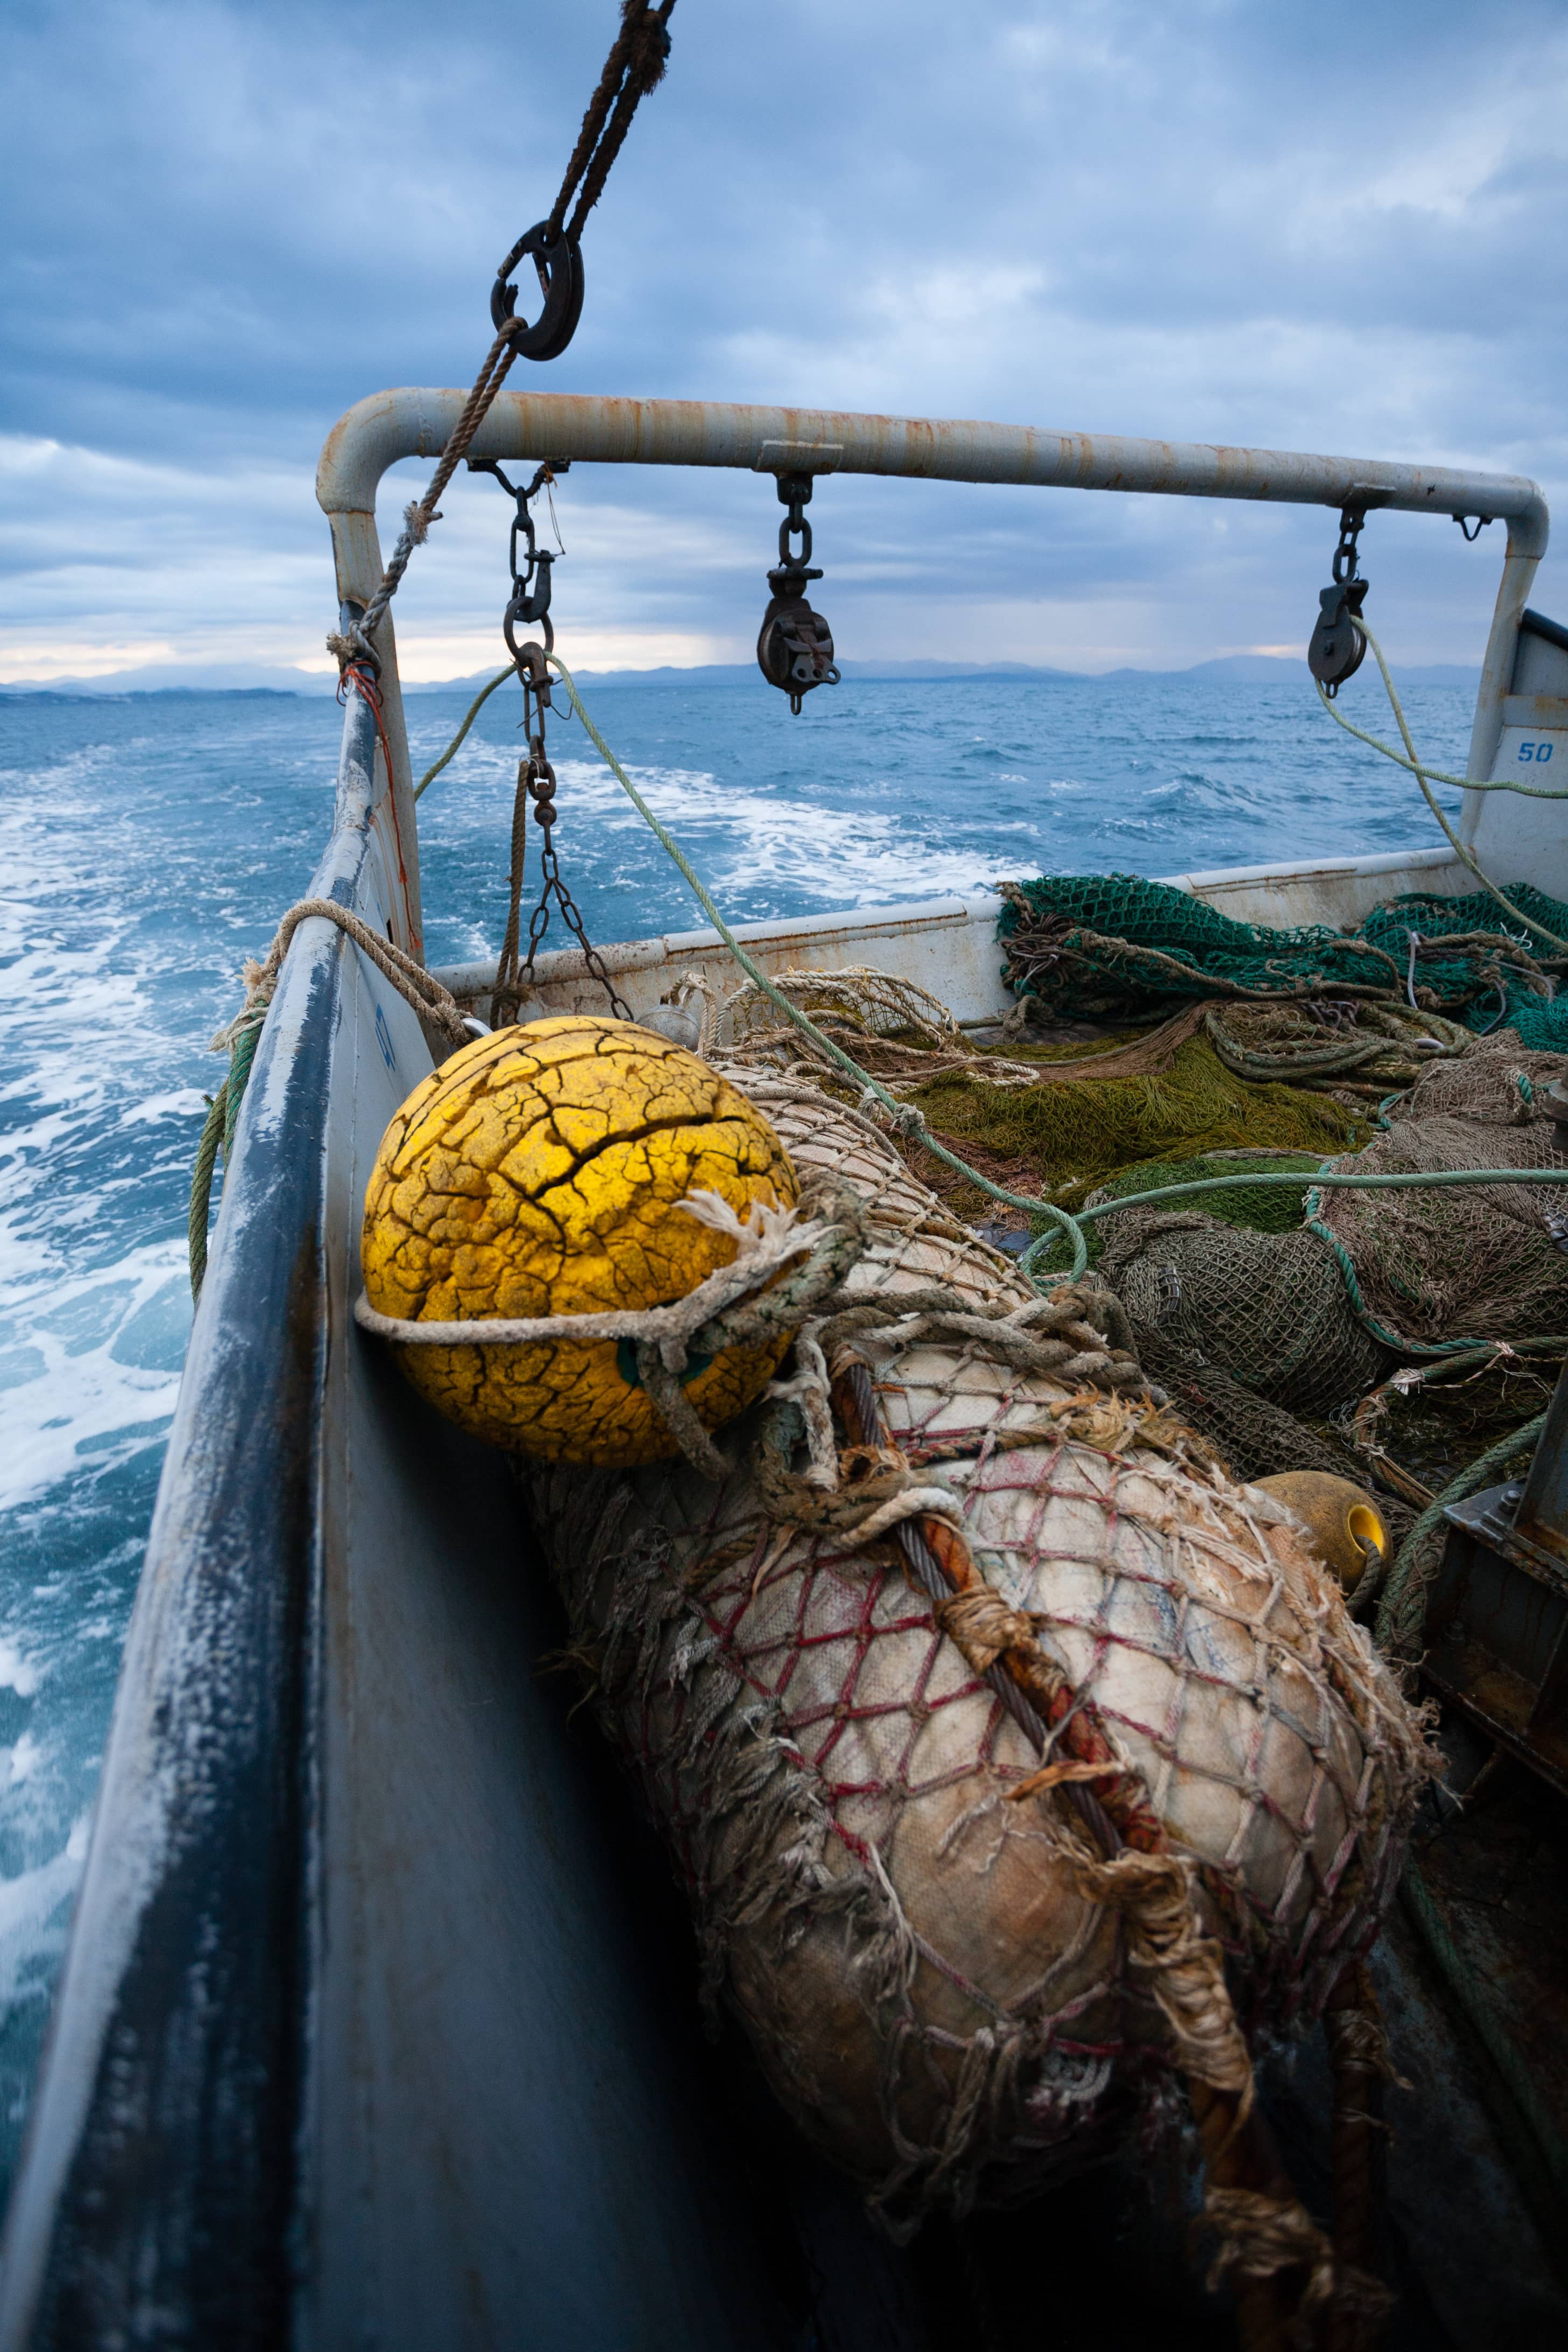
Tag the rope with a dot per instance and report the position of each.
(765, 1241)
(635, 66)
(1421, 775)
(1438, 775)
(455, 745)
(635, 63)
(201, 1188)
(906, 1119)
(1402, 1611)
(355, 643)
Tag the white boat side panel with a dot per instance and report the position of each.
(1340, 892)
(1530, 837)
(949, 945)
(946, 945)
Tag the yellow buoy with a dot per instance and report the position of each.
(537, 1172)
(1347, 1529)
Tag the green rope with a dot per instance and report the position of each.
(242, 1053)
(217, 1135)
(1342, 1179)
(1401, 1610)
(1554, 1343)
(202, 1187)
(455, 745)
(1313, 1221)
(868, 1084)
(1421, 774)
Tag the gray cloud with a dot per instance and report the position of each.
(1224, 221)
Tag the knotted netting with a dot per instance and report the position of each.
(1312, 1319)
(950, 1988)
(1093, 945)
(1435, 1267)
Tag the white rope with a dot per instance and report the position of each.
(769, 1238)
(1418, 768)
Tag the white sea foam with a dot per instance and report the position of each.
(795, 849)
(33, 1918)
(17, 1672)
(95, 1395)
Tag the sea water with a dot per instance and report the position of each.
(149, 845)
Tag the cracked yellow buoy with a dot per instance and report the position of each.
(539, 1172)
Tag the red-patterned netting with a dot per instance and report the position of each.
(921, 1964)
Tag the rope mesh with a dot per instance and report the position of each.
(928, 1984)
(1092, 946)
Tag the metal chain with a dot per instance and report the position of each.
(795, 644)
(1345, 553)
(1338, 646)
(529, 606)
(536, 782)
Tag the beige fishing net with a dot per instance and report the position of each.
(1257, 1332)
(1476, 1261)
(963, 1962)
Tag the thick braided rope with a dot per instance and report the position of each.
(419, 987)
(635, 63)
(635, 66)
(200, 1213)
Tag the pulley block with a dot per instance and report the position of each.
(1338, 646)
(795, 644)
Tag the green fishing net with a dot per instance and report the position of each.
(1087, 947)
(1075, 1134)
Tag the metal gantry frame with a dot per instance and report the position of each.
(387, 426)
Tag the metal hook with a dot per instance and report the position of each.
(558, 264)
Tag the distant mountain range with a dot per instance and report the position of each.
(1231, 669)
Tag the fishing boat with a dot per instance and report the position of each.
(377, 2023)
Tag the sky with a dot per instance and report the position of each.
(1229, 220)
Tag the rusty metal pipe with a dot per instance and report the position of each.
(378, 431)
(388, 425)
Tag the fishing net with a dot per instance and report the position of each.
(1093, 946)
(1075, 1134)
(1434, 1268)
(1269, 1310)
(1271, 1339)
(1267, 1327)
(953, 1996)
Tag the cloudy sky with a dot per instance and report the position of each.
(1224, 220)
